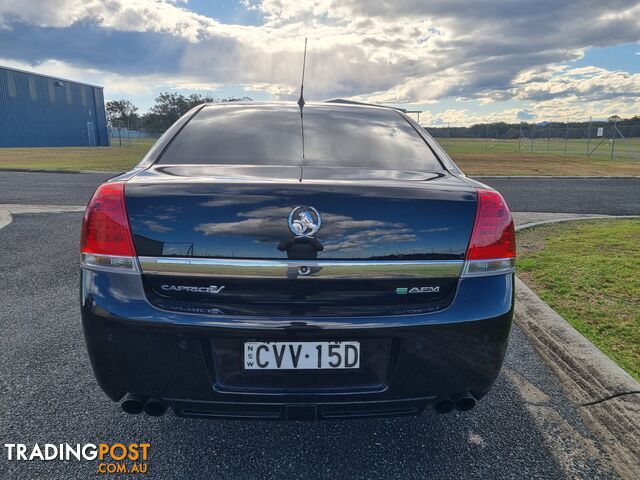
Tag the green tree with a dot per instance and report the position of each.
(169, 107)
(121, 113)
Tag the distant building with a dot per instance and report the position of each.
(41, 111)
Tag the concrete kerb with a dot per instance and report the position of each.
(547, 328)
(18, 208)
(5, 217)
(606, 395)
(7, 210)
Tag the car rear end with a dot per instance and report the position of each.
(279, 290)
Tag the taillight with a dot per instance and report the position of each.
(492, 248)
(105, 240)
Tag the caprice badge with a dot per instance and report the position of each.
(213, 289)
(304, 221)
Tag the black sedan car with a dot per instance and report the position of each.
(276, 262)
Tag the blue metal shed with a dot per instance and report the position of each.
(41, 111)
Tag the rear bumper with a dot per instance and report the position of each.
(135, 347)
(300, 411)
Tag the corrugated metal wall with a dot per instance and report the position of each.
(37, 111)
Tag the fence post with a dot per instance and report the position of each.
(486, 139)
(566, 137)
(613, 137)
(533, 132)
(520, 138)
(589, 137)
(548, 136)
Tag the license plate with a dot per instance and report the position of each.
(301, 355)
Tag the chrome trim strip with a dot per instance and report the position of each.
(331, 269)
(484, 268)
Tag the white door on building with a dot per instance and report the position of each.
(92, 134)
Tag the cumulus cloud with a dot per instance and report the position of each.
(150, 218)
(587, 83)
(383, 51)
(156, 226)
(269, 224)
(247, 198)
(525, 115)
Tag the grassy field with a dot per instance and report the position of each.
(474, 156)
(624, 149)
(75, 158)
(502, 157)
(588, 272)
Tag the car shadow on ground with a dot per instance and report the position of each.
(497, 439)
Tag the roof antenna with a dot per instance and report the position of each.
(304, 62)
(301, 104)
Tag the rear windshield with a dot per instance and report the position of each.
(273, 135)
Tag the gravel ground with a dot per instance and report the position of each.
(525, 428)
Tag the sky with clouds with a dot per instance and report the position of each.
(462, 62)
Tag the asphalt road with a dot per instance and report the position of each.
(588, 195)
(611, 196)
(48, 394)
(525, 427)
(49, 188)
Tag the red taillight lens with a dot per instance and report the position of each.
(105, 228)
(493, 233)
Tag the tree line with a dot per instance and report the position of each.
(168, 107)
(572, 130)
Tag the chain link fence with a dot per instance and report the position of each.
(124, 137)
(593, 139)
(602, 140)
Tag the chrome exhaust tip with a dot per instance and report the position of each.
(444, 405)
(155, 407)
(464, 402)
(132, 404)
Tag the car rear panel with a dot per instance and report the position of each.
(217, 265)
(204, 211)
(192, 360)
(386, 245)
